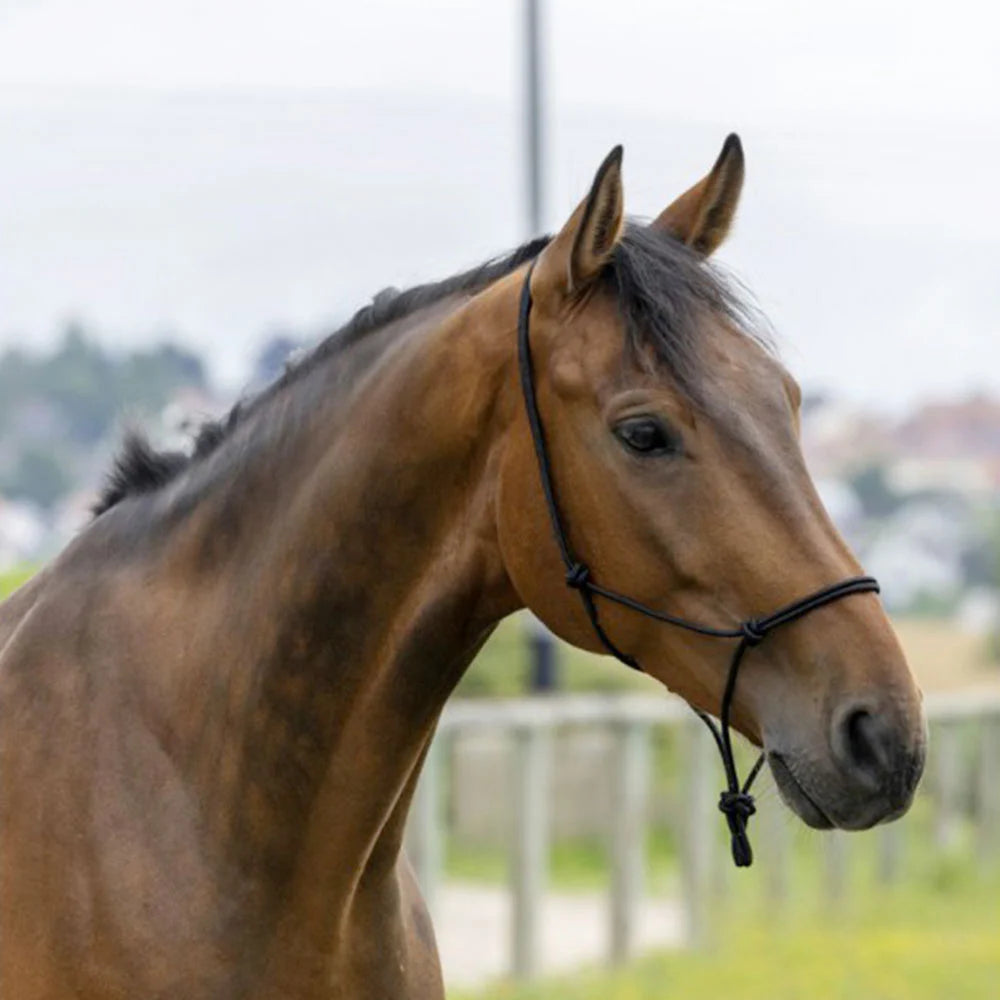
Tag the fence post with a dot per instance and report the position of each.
(775, 849)
(531, 842)
(946, 789)
(889, 859)
(424, 831)
(628, 834)
(835, 864)
(699, 832)
(988, 789)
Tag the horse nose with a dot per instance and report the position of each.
(877, 752)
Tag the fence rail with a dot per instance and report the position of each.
(956, 721)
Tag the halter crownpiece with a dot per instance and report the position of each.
(735, 802)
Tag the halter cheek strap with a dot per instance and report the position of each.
(735, 802)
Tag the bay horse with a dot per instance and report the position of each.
(214, 704)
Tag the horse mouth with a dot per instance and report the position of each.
(795, 796)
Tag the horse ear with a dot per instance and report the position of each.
(701, 217)
(579, 251)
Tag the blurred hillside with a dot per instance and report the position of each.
(918, 498)
(57, 410)
(62, 413)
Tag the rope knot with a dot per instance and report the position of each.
(752, 632)
(578, 576)
(738, 807)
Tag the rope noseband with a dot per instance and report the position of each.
(735, 802)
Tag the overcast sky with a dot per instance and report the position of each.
(219, 169)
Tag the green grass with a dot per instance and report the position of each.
(934, 936)
(936, 939)
(14, 578)
(501, 668)
(579, 864)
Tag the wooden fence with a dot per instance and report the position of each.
(958, 722)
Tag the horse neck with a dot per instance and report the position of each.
(375, 583)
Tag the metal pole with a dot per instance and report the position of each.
(542, 657)
(698, 841)
(628, 836)
(543, 674)
(533, 116)
(989, 790)
(529, 871)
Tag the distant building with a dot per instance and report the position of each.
(844, 507)
(837, 436)
(965, 474)
(950, 446)
(910, 573)
(968, 428)
(917, 553)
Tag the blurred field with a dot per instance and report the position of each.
(945, 657)
(11, 579)
(932, 935)
(935, 936)
(939, 942)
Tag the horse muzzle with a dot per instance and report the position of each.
(873, 766)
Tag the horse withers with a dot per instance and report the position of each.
(215, 703)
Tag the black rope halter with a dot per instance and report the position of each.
(736, 802)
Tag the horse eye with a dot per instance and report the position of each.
(646, 436)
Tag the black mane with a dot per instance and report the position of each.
(661, 286)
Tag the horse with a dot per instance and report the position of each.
(215, 702)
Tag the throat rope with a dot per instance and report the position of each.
(735, 802)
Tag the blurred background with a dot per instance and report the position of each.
(192, 190)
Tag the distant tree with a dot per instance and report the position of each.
(38, 476)
(981, 563)
(148, 378)
(55, 407)
(81, 379)
(90, 386)
(878, 498)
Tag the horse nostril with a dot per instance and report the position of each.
(861, 738)
(862, 741)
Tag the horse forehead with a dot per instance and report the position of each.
(587, 358)
(751, 412)
(739, 384)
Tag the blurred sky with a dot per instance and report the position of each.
(220, 170)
